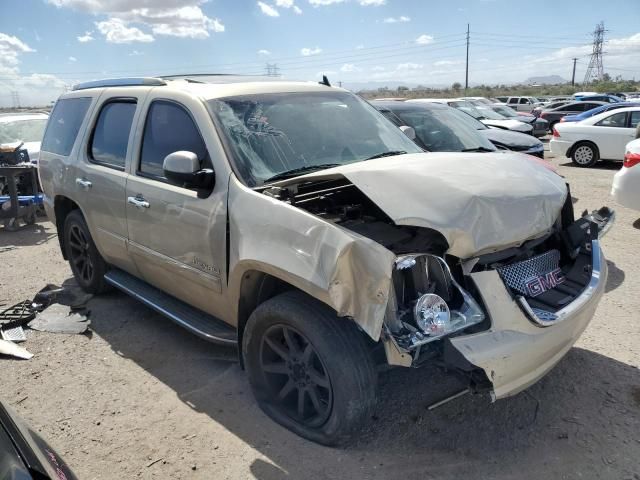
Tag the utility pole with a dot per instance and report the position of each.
(573, 76)
(595, 70)
(15, 98)
(466, 76)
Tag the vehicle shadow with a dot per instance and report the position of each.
(579, 419)
(615, 278)
(28, 235)
(601, 165)
(636, 224)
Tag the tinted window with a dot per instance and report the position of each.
(615, 120)
(111, 134)
(635, 119)
(524, 101)
(513, 100)
(64, 123)
(589, 106)
(169, 128)
(441, 130)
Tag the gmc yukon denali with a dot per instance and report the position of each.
(293, 220)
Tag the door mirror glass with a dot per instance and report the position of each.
(408, 131)
(183, 168)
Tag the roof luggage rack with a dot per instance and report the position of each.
(121, 82)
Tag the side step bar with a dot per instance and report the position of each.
(194, 320)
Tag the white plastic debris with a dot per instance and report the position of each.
(10, 348)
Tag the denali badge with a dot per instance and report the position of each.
(537, 285)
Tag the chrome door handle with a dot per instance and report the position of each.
(81, 182)
(138, 201)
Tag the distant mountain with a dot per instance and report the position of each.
(545, 80)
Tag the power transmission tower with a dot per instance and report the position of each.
(466, 76)
(15, 98)
(272, 70)
(595, 71)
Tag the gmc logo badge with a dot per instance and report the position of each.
(537, 285)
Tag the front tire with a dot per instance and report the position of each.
(309, 370)
(584, 155)
(86, 263)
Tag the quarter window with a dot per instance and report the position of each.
(169, 128)
(63, 125)
(111, 134)
(615, 120)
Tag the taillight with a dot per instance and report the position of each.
(631, 159)
(542, 115)
(555, 133)
(562, 120)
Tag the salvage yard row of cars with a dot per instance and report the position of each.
(328, 237)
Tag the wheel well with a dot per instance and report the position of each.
(62, 207)
(256, 288)
(584, 142)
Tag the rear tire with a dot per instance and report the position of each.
(584, 155)
(86, 263)
(309, 370)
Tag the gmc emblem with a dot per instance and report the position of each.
(537, 285)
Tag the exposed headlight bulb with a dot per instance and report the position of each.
(432, 315)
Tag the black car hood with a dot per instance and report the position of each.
(510, 139)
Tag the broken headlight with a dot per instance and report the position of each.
(429, 302)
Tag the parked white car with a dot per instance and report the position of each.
(626, 183)
(602, 136)
(23, 128)
(523, 104)
(488, 117)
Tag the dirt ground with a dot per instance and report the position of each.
(141, 398)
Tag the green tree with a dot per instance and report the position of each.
(456, 87)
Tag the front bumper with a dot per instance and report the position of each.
(516, 352)
(559, 148)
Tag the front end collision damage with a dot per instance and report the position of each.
(350, 268)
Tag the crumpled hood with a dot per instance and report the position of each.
(479, 203)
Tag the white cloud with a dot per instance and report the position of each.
(377, 68)
(306, 52)
(73, 59)
(445, 63)
(33, 90)
(178, 18)
(264, 52)
(87, 37)
(115, 30)
(284, 3)
(268, 10)
(322, 3)
(400, 19)
(350, 67)
(297, 10)
(375, 3)
(424, 39)
(135, 53)
(359, 47)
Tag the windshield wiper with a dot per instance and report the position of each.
(477, 149)
(299, 171)
(387, 154)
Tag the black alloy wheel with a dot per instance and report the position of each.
(296, 375)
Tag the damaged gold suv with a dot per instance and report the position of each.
(294, 220)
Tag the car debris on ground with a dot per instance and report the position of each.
(54, 309)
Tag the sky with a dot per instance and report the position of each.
(48, 45)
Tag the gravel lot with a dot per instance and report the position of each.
(141, 398)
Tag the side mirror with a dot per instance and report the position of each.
(408, 131)
(183, 168)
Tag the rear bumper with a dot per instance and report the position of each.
(516, 351)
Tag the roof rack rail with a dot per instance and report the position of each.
(121, 82)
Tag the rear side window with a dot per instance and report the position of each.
(169, 128)
(111, 134)
(615, 120)
(635, 119)
(513, 100)
(64, 123)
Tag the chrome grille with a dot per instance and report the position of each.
(516, 275)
